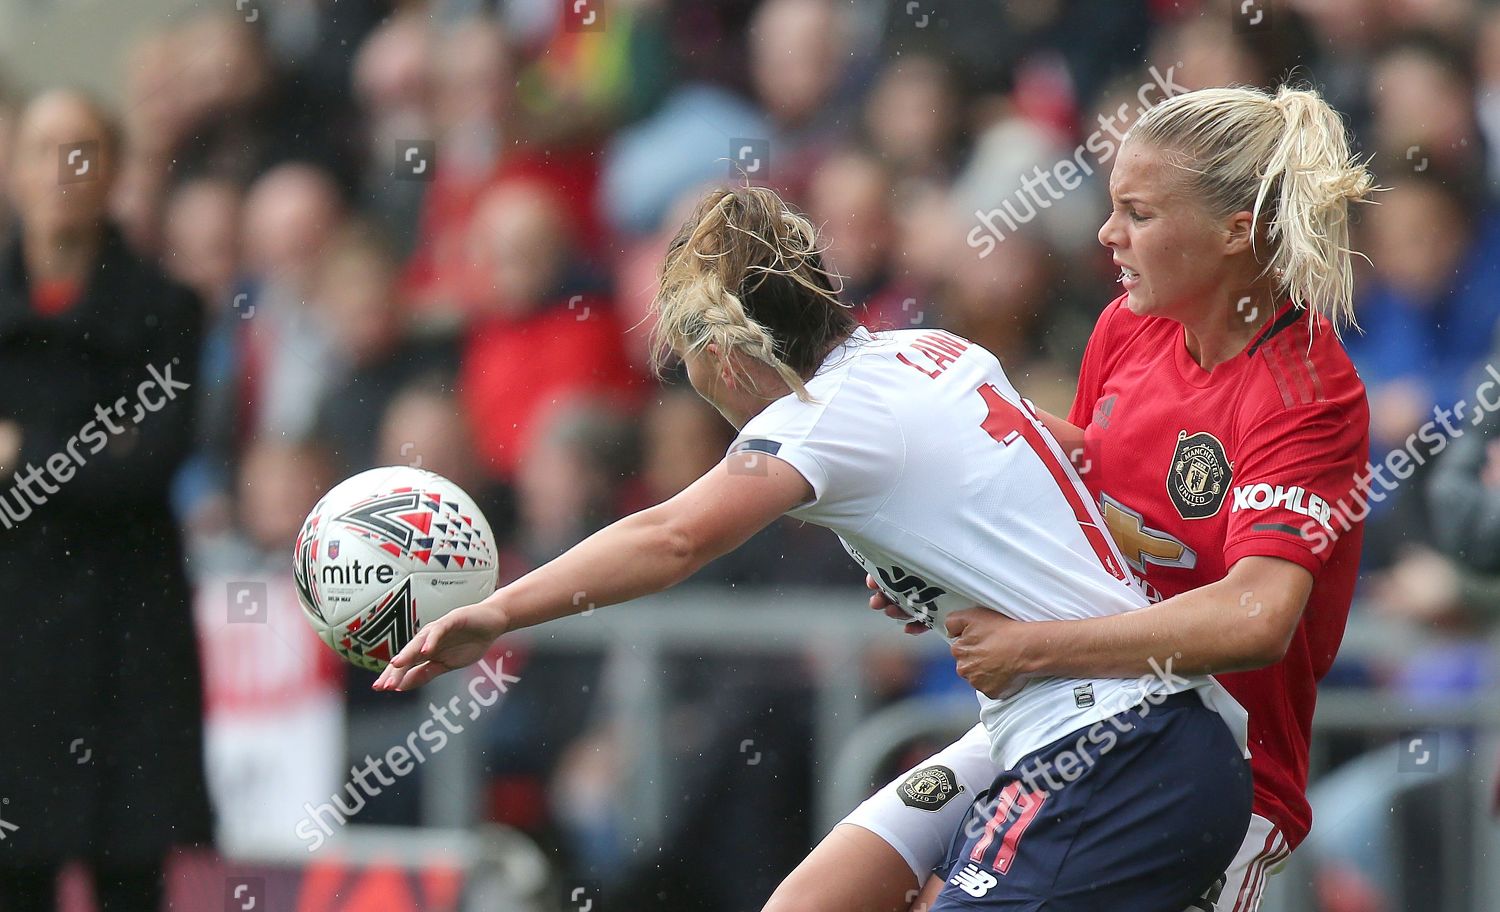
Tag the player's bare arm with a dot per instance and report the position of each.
(641, 554)
(1244, 621)
(1069, 436)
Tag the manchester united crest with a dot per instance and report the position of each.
(1199, 475)
(929, 788)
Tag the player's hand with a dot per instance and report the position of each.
(456, 640)
(987, 647)
(880, 602)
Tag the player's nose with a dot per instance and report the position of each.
(1109, 234)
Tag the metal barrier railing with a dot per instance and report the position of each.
(833, 628)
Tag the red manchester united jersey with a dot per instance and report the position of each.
(1195, 470)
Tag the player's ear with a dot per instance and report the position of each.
(1240, 232)
(725, 374)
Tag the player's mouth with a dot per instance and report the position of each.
(1129, 278)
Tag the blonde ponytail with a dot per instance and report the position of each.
(1286, 158)
(746, 273)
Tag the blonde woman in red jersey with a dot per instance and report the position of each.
(1222, 428)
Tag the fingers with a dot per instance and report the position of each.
(411, 677)
(955, 623)
(879, 601)
(977, 679)
(417, 649)
(388, 679)
(414, 650)
(421, 674)
(895, 613)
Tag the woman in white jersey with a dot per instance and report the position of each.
(915, 449)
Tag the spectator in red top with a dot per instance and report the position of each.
(533, 342)
(471, 102)
(477, 148)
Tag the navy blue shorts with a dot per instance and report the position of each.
(1140, 813)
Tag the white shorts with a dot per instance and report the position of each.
(920, 812)
(1263, 853)
(923, 830)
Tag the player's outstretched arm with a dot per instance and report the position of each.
(644, 553)
(1245, 620)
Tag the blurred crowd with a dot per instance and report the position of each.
(426, 232)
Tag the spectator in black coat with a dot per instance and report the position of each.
(102, 697)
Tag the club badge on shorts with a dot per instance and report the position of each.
(929, 788)
(1198, 478)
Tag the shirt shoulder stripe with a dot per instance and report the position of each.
(759, 445)
(1294, 369)
(1312, 373)
(1276, 374)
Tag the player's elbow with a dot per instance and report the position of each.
(1272, 594)
(1267, 648)
(683, 551)
(678, 549)
(1267, 641)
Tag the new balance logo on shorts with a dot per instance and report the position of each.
(974, 881)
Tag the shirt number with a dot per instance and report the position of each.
(1008, 425)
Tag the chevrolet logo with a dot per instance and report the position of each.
(1140, 544)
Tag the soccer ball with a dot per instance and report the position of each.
(385, 552)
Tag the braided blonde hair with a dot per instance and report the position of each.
(746, 272)
(1285, 158)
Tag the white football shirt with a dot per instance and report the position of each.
(940, 480)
